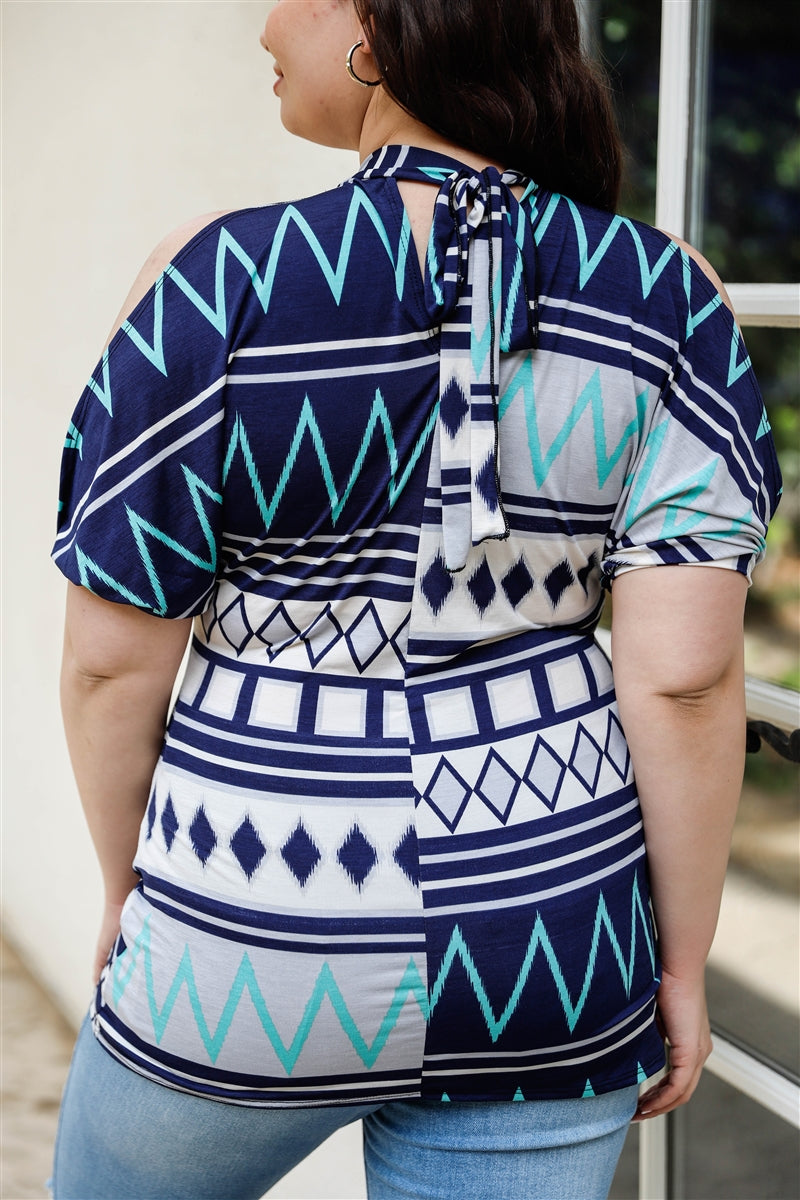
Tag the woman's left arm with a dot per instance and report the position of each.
(678, 671)
(118, 670)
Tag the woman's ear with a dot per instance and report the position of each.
(366, 47)
(365, 31)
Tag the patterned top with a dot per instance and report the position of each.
(393, 846)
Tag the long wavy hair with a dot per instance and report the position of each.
(507, 79)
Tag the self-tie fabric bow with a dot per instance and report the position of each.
(481, 287)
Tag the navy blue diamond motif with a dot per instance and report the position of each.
(407, 857)
(169, 823)
(453, 408)
(300, 855)
(517, 583)
(203, 837)
(357, 856)
(437, 584)
(557, 582)
(248, 847)
(487, 484)
(482, 587)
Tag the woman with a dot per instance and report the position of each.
(388, 861)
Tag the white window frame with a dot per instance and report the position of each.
(685, 37)
(681, 126)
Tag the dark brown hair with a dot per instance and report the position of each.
(506, 79)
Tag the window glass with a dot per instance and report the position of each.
(734, 1149)
(626, 37)
(772, 622)
(749, 177)
(754, 966)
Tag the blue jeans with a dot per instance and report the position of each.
(120, 1135)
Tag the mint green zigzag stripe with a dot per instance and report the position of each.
(335, 274)
(516, 279)
(695, 319)
(307, 426)
(481, 343)
(496, 1023)
(589, 263)
(676, 522)
(89, 569)
(546, 217)
(411, 987)
(74, 439)
(216, 312)
(103, 393)
(736, 369)
(590, 398)
(689, 490)
(649, 274)
(142, 529)
(325, 987)
(154, 353)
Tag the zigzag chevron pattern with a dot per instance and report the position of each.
(676, 522)
(411, 987)
(216, 312)
(335, 275)
(590, 398)
(496, 1023)
(307, 426)
(142, 530)
(342, 670)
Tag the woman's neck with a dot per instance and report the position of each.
(387, 124)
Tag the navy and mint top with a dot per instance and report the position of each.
(393, 846)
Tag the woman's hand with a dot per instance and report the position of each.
(683, 1019)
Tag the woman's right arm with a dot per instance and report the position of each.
(118, 670)
(678, 671)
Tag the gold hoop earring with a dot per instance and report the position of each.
(368, 83)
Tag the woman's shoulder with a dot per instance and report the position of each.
(622, 261)
(160, 258)
(246, 230)
(700, 266)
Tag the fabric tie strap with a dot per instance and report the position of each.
(478, 288)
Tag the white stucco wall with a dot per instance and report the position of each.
(121, 120)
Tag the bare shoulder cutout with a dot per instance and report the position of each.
(705, 266)
(158, 259)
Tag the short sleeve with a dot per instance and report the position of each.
(704, 481)
(140, 501)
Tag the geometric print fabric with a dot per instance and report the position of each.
(393, 846)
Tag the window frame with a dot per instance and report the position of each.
(685, 48)
(682, 119)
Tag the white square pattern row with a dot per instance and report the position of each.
(512, 699)
(340, 711)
